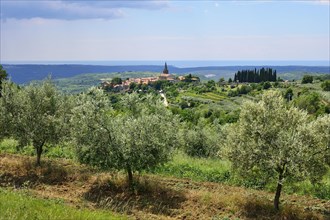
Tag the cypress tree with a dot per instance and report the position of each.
(262, 75)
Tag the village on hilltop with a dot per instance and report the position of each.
(123, 85)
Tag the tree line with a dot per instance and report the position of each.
(256, 76)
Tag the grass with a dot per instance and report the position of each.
(8, 146)
(319, 190)
(197, 169)
(219, 171)
(63, 150)
(209, 96)
(21, 205)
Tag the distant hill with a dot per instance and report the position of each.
(22, 74)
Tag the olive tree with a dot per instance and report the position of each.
(3, 76)
(92, 128)
(139, 136)
(278, 142)
(33, 115)
(9, 108)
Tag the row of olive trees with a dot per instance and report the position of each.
(141, 135)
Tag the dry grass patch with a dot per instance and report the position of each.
(148, 196)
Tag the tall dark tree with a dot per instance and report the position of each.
(256, 76)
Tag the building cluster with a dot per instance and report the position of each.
(165, 75)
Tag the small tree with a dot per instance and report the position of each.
(309, 101)
(9, 107)
(116, 80)
(266, 85)
(140, 136)
(275, 140)
(3, 76)
(326, 85)
(221, 81)
(307, 79)
(288, 95)
(34, 115)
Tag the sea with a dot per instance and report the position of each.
(183, 63)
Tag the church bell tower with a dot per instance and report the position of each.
(165, 71)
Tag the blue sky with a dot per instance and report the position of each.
(164, 30)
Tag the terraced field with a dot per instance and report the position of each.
(209, 96)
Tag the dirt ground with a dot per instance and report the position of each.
(153, 197)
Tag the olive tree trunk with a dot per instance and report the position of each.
(129, 175)
(39, 150)
(278, 191)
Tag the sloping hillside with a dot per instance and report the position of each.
(154, 197)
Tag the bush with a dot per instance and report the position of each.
(232, 93)
(288, 94)
(311, 102)
(244, 89)
(326, 85)
(200, 141)
(307, 79)
(266, 85)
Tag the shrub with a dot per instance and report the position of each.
(307, 79)
(326, 85)
(201, 141)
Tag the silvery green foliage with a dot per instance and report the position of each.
(33, 114)
(201, 140)
(92, 128)
(316, 135)
(141, 136)
(321, 128)
(272, 138)
(9, 107)
(147, 132)
(40, 115)
(145, 141)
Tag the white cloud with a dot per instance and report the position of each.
(323, 2)
(314, 2)
(73, 10)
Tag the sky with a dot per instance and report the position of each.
(164, 30)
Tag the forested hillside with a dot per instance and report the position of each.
(26, 73)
